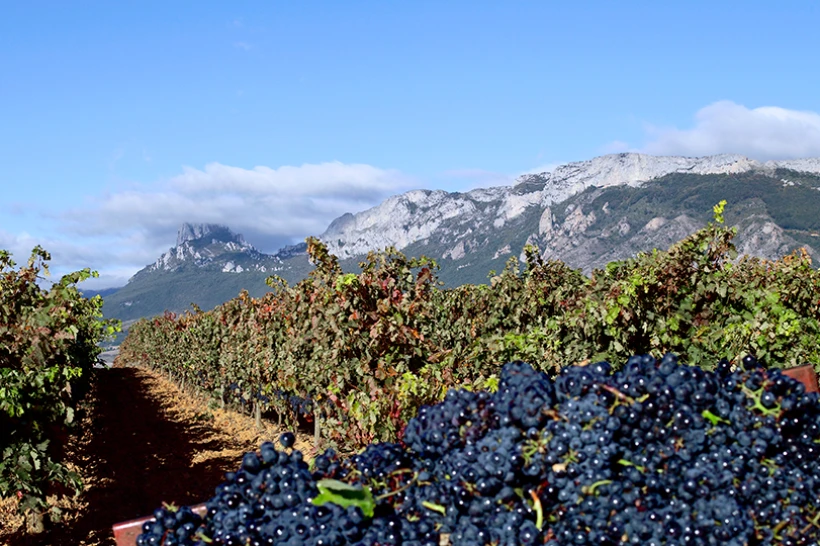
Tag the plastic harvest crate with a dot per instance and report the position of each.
(126, 533)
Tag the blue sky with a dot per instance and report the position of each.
(120, 120)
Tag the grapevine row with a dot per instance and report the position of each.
(48, 346)
(361, 352)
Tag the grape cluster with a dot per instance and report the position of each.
(301, 407)
(656, 453)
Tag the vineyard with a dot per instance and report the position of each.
(453, 449)
(429, 437)
(355, 356)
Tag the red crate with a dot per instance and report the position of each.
(806, 375)
(126, 533)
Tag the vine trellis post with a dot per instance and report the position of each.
(317, 429)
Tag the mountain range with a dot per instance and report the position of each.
(586, 213)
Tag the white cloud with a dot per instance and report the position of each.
(19, 244)
(272, 207)
(763, 133)
(245, 46)
(332, 178)
(70, 255)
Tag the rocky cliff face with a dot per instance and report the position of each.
(192, 232)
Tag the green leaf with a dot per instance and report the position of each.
(345, 495)
(35, 458)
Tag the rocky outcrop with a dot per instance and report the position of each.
(191, 232)
(404, 219)
(203, 245)
(570, 243)
(763, 238)
(806, 165)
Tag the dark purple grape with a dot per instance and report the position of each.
(287, 439)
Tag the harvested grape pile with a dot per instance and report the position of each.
(656, 453)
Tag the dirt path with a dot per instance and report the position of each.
(145, 443)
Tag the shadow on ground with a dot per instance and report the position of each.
(137, 455)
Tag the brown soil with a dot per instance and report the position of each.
(143, 442)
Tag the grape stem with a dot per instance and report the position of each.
(618, 394)
(539, 511)
(591, 489)
(435, 507)
(630, 463)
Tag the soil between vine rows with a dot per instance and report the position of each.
(143, 442)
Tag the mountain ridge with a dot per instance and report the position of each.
(378, 225)
(584, 213)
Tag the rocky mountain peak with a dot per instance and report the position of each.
(192, 232)
(210, 244)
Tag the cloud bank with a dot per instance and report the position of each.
(763, 133)
(271, 207)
